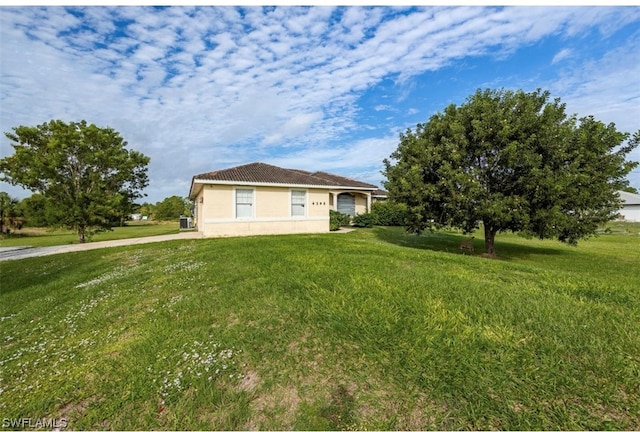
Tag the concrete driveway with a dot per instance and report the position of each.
(20, 252)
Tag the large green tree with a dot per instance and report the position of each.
(84, 170)
(514, 161)
(172, 208)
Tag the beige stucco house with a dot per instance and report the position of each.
(259, 198)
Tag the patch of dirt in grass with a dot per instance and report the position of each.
(116, 348)
(279, 402)
(381, 408)
(343, 390)
(232, 320)
(249, 381)
(517, 407)
(422, 416)
(72, 410)
(623, 419)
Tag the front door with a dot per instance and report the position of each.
(347, 204)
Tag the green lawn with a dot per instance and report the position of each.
(39, 237)
(374, 329)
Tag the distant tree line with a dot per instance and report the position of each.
(170, 208)
(38, 211)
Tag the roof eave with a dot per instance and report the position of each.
(193, 192)
(296, 185)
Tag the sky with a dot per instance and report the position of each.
(199, 89)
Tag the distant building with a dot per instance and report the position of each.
(630, 211)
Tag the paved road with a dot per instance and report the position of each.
(19, 252)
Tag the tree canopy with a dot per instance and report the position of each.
(84, 171)
(171, 208)
(513, 161)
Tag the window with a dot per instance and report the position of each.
(244, 203)
(298, 201)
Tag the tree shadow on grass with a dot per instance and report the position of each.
(449, 241)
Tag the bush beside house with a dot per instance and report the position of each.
(337, 219)
(385, 213)
(388, 213)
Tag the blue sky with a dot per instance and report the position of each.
(316, 88)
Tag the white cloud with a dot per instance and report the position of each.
(200, 88)
(383, 108)
(562, 54)
(607, 88)
(360, 159)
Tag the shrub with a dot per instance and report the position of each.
(337, 219)
(389, 213)
(365, 220)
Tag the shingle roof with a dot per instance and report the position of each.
(342, 181)
(259, 172)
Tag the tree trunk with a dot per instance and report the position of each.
(489, 240)
(81, 238)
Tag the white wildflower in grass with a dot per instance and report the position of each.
(116, 273)
(183, 266)
(195, 364)
(173, 300)
(38, 353)
(85, 307)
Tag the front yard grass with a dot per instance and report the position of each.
(40, 237)
(374, 329)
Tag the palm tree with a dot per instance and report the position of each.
(8, 211)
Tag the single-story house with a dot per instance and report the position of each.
(630, 210)
(259, 198)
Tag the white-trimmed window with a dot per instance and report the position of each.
(244, 203)
(298, 202)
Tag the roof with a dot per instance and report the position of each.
(380, 193)
(342, 181)
(262, 173)
(629, 198)
(259, 172)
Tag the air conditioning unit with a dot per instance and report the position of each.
(185, 222)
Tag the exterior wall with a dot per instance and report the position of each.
(361, 203)
(271, 212)
(630, 213)
(218, 202)
(318, 204)
(198, 211)
(272, 202)
(262, 227)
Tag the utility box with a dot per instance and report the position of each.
(185, 222)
